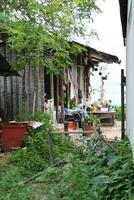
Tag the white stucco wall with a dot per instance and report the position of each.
(130, 72)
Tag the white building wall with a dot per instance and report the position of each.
(130, 72)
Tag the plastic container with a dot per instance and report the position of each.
(12, 136)
(71, 125)
(104, 109)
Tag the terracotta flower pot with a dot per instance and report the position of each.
(89, 127)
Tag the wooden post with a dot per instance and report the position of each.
(34, 99)
(87, 82)
(62, 102)
(50, 149)
(57, 99)
(37, 90)
(122, 104)
(52, 85)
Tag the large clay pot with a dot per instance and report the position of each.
(89, 127)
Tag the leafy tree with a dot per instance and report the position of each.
(39, 30)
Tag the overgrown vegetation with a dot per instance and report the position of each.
(100, 173)
(118, 113)
(34, 158)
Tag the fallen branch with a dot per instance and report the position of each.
(108, 144)
(105, 141)
(38, 174)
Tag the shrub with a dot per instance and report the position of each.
(118, 113)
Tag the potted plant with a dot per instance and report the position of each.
(88, 121)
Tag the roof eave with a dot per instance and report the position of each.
(123, 15)
(103, 57)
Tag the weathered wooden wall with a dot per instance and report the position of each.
(17, 93)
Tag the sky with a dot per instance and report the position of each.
(108, 27)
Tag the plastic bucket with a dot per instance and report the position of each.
(70, 125)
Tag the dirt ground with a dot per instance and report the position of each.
(112, 132)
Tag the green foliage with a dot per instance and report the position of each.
(101, 173)
(118, 113)
(9, 188)
(35, 156)
(91, 118)
(39, 116)
(39, 30)
(32, 159)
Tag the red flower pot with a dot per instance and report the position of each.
(89, 128)
(12, 135)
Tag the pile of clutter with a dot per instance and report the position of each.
(74, 117)
(102, 105)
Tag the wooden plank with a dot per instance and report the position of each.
(70, 132)
(23, 93)
(62, 101)
(14, 97)
(26, 90)
(57, 98)
(50, 147)
(34, 95)
(52, 85)
(17, 96)
(8, 85)
(31, 88)
(20, 93)
(42, 88)
(9, 108)
(5, 98)
(11, 100)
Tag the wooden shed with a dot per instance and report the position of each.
(18, 90)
